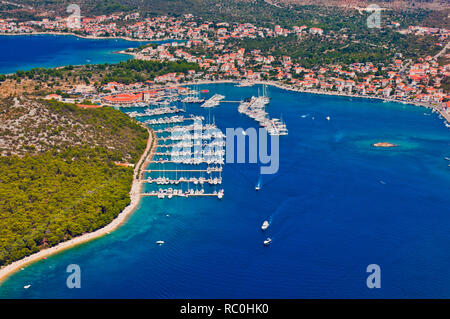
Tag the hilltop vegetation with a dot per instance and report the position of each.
(259, 12)
(41, 81)
(369, 46)
(59, 179)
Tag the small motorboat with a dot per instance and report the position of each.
(265, 225)
(258, 186)
(160, 242)
(328, 118)
(27, 286)
(267, 242)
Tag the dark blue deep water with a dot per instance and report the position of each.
(25, 52)
(336, 205)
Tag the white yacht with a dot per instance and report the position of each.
(160, 242)
(265, 225)
(27, 286)
(267, 241)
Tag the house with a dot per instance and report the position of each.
(317, 31)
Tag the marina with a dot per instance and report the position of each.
(310, 206)
(208, 170)
(255, 108)
(156, 111)
(213, 101)
(194, 180)
(184, 142)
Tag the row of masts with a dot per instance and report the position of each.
(193, 97)
(170, 193)
(185, 152)
(176, 181)
(255, 108)
(157, 111)
(213, 101)
(173, 120)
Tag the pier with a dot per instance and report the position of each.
(184, 170)
(185, 195)
(173, 143)
(194, 180)
(169, 193)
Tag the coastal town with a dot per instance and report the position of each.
(216, 148)
(212, 46)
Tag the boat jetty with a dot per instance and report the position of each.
(189, 157)
(157, 111)
(255, 108)
(193, 96)
(213, 101)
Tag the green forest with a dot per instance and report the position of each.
(127, 72)
(258, 12)
(50, 197)
(133, 71)
(310, 50)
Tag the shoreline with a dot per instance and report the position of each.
(135, 191)
(286, 87)
(90, 37)
(121, 218)
(444, 114)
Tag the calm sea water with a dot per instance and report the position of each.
(30, 51)
(336, 206)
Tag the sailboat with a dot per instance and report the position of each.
(266, 92)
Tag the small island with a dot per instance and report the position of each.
(384, 144)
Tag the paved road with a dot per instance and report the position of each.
(442, 51)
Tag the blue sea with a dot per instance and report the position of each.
(24, 52)
(336, 206)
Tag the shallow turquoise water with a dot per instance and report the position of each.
(336, 206)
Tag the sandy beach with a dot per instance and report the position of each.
(135, 197)
(144, 160)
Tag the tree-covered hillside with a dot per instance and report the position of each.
(260, 12)
(58, 188)
(41, 81)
